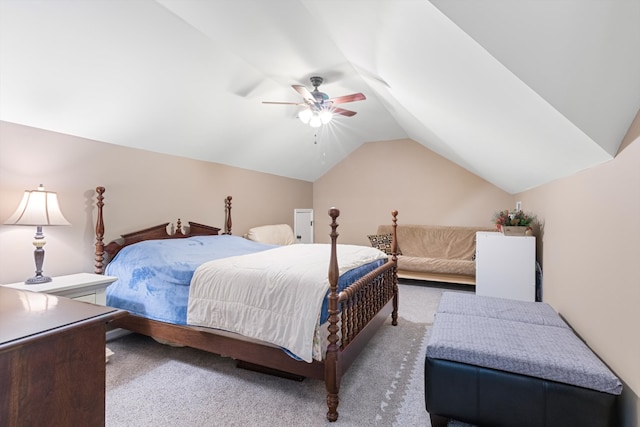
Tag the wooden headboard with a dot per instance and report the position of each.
(152, 233)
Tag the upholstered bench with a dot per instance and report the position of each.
(500, 362)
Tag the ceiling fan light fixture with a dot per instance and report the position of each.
(325, 116)
(318, 108)
(305, 115)
(315, 121)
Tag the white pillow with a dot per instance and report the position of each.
(279, 234)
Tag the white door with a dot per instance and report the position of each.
(303, 225)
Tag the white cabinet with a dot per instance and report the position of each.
(506, 266)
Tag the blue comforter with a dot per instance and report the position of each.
(154, 275)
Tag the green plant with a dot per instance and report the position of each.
(513, 218)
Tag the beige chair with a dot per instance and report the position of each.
(278, 234)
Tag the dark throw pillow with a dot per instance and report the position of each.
(383, 242)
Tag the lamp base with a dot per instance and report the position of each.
(38, 256)
(38, 279)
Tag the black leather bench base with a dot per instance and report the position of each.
(488, 397)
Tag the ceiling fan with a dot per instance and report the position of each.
(318, 107)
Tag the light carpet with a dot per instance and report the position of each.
(150, 384)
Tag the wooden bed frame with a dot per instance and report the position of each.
(357, 312)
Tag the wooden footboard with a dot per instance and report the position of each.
(355, 314)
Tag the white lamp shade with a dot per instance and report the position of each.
(315, 121)
(305, 115)
(38, 207)
(326, 116)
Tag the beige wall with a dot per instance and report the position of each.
(423, 186)
(143, 189)
(591, 259)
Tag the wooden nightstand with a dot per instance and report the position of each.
(85, 287)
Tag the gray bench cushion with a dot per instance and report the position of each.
(500, 308)
(548, 352)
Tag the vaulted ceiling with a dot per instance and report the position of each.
(518, 92)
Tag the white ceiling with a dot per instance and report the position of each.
(518, 92)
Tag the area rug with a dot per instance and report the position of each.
(150, 384)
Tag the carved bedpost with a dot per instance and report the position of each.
(227, 224)
(394, 259)
(99, 233)
(332, 379)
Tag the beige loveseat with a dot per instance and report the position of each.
(437, 253)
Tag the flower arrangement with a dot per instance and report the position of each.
(513, 218)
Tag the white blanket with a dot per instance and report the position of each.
(274, 295)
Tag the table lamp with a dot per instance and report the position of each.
(39, 208)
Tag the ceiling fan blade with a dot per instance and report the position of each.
(282, 103)
(304, 92)
(347, 98)
(343, 112)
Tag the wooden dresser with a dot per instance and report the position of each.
(52, 359)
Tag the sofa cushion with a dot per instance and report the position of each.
(437, 265)
(383, 242)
